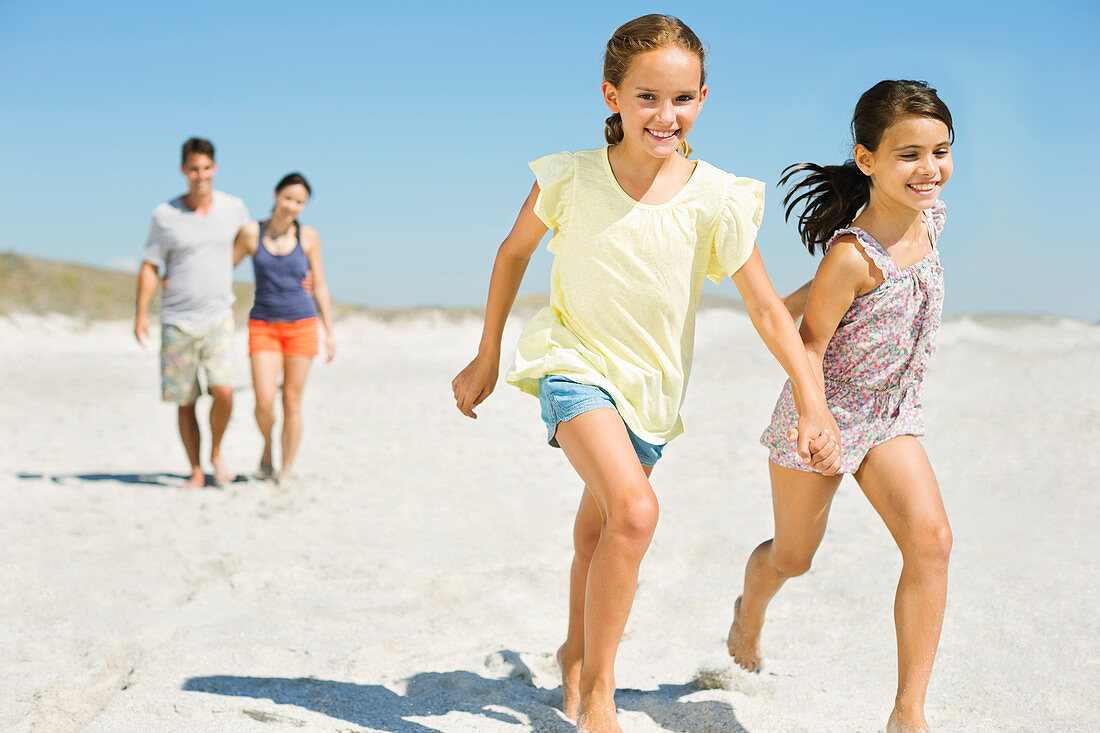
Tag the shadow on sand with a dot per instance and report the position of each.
(161, 480)
(515, 700)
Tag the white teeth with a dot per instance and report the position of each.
(663, 135)
(922, 186)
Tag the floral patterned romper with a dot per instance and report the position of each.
(875, 362)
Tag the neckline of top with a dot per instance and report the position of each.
(605, 156)
(900, 270)
(297, 242)
(187, 210)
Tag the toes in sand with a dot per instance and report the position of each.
(598, 718)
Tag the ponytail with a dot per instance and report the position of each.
(830, 197)
(613, 129)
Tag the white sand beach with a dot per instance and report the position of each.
(414, 578)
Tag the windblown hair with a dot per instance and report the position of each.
(647, 33)
(293, 179)
(832, 195)
(196, 146)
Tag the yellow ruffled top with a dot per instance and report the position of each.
(626, 280)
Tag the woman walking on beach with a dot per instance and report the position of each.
(282, 325)
(870, 323)
(637, 227)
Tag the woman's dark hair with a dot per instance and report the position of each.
(832, 195)
(647, 33)
(293, 179)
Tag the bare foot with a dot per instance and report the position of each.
(598, 718)
(196, 481)
(285, 481)
(222, 476)
(570, 683)
(743, 641)
(897, 725)
(266, 472)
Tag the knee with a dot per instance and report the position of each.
(222, 395)
(292, 403)
(930, 547)
(791, 564)
(634, 520)
(585, 540)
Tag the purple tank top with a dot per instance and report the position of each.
(279, 292)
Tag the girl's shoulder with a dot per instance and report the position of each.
(731, 185)
(849, 260)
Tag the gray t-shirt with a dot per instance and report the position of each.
(195, 253)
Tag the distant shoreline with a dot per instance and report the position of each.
(36, 286)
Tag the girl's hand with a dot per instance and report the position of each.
(822, 452)
(825, 452)
(330, 348)
(474, 383)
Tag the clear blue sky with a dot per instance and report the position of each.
(414, 122)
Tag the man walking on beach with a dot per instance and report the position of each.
(191, 238)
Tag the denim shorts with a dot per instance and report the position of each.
(562, 399)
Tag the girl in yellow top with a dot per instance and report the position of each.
(637, 226)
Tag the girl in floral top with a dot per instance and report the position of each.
(869, 327)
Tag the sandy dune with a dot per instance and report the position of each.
(414, 579)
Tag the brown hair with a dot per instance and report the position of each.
(647, 33)
(832, 195)
(197, 146)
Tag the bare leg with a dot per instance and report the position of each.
(219, 420)
(800, 502)
(295, 370)
(897, 479)
(586, 536)
(265, 381)
(597, 445)
(189, 432)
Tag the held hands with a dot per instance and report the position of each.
(474, 383)
(822, 452)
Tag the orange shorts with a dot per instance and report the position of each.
(290, 338)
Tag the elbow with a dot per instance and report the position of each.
(771, 311)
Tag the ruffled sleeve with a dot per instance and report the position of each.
(738, 222)
(555, 175)
(938, 217)
(872, 248)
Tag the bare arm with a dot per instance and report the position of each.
(776, 328)
(146, 287)
(311, 242)
(477, 381)
(796, 301)
(248, 238)
(843, 274)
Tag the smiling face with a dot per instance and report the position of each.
(199, 169)
(289, 202)
(912, 162)
(658, 99)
